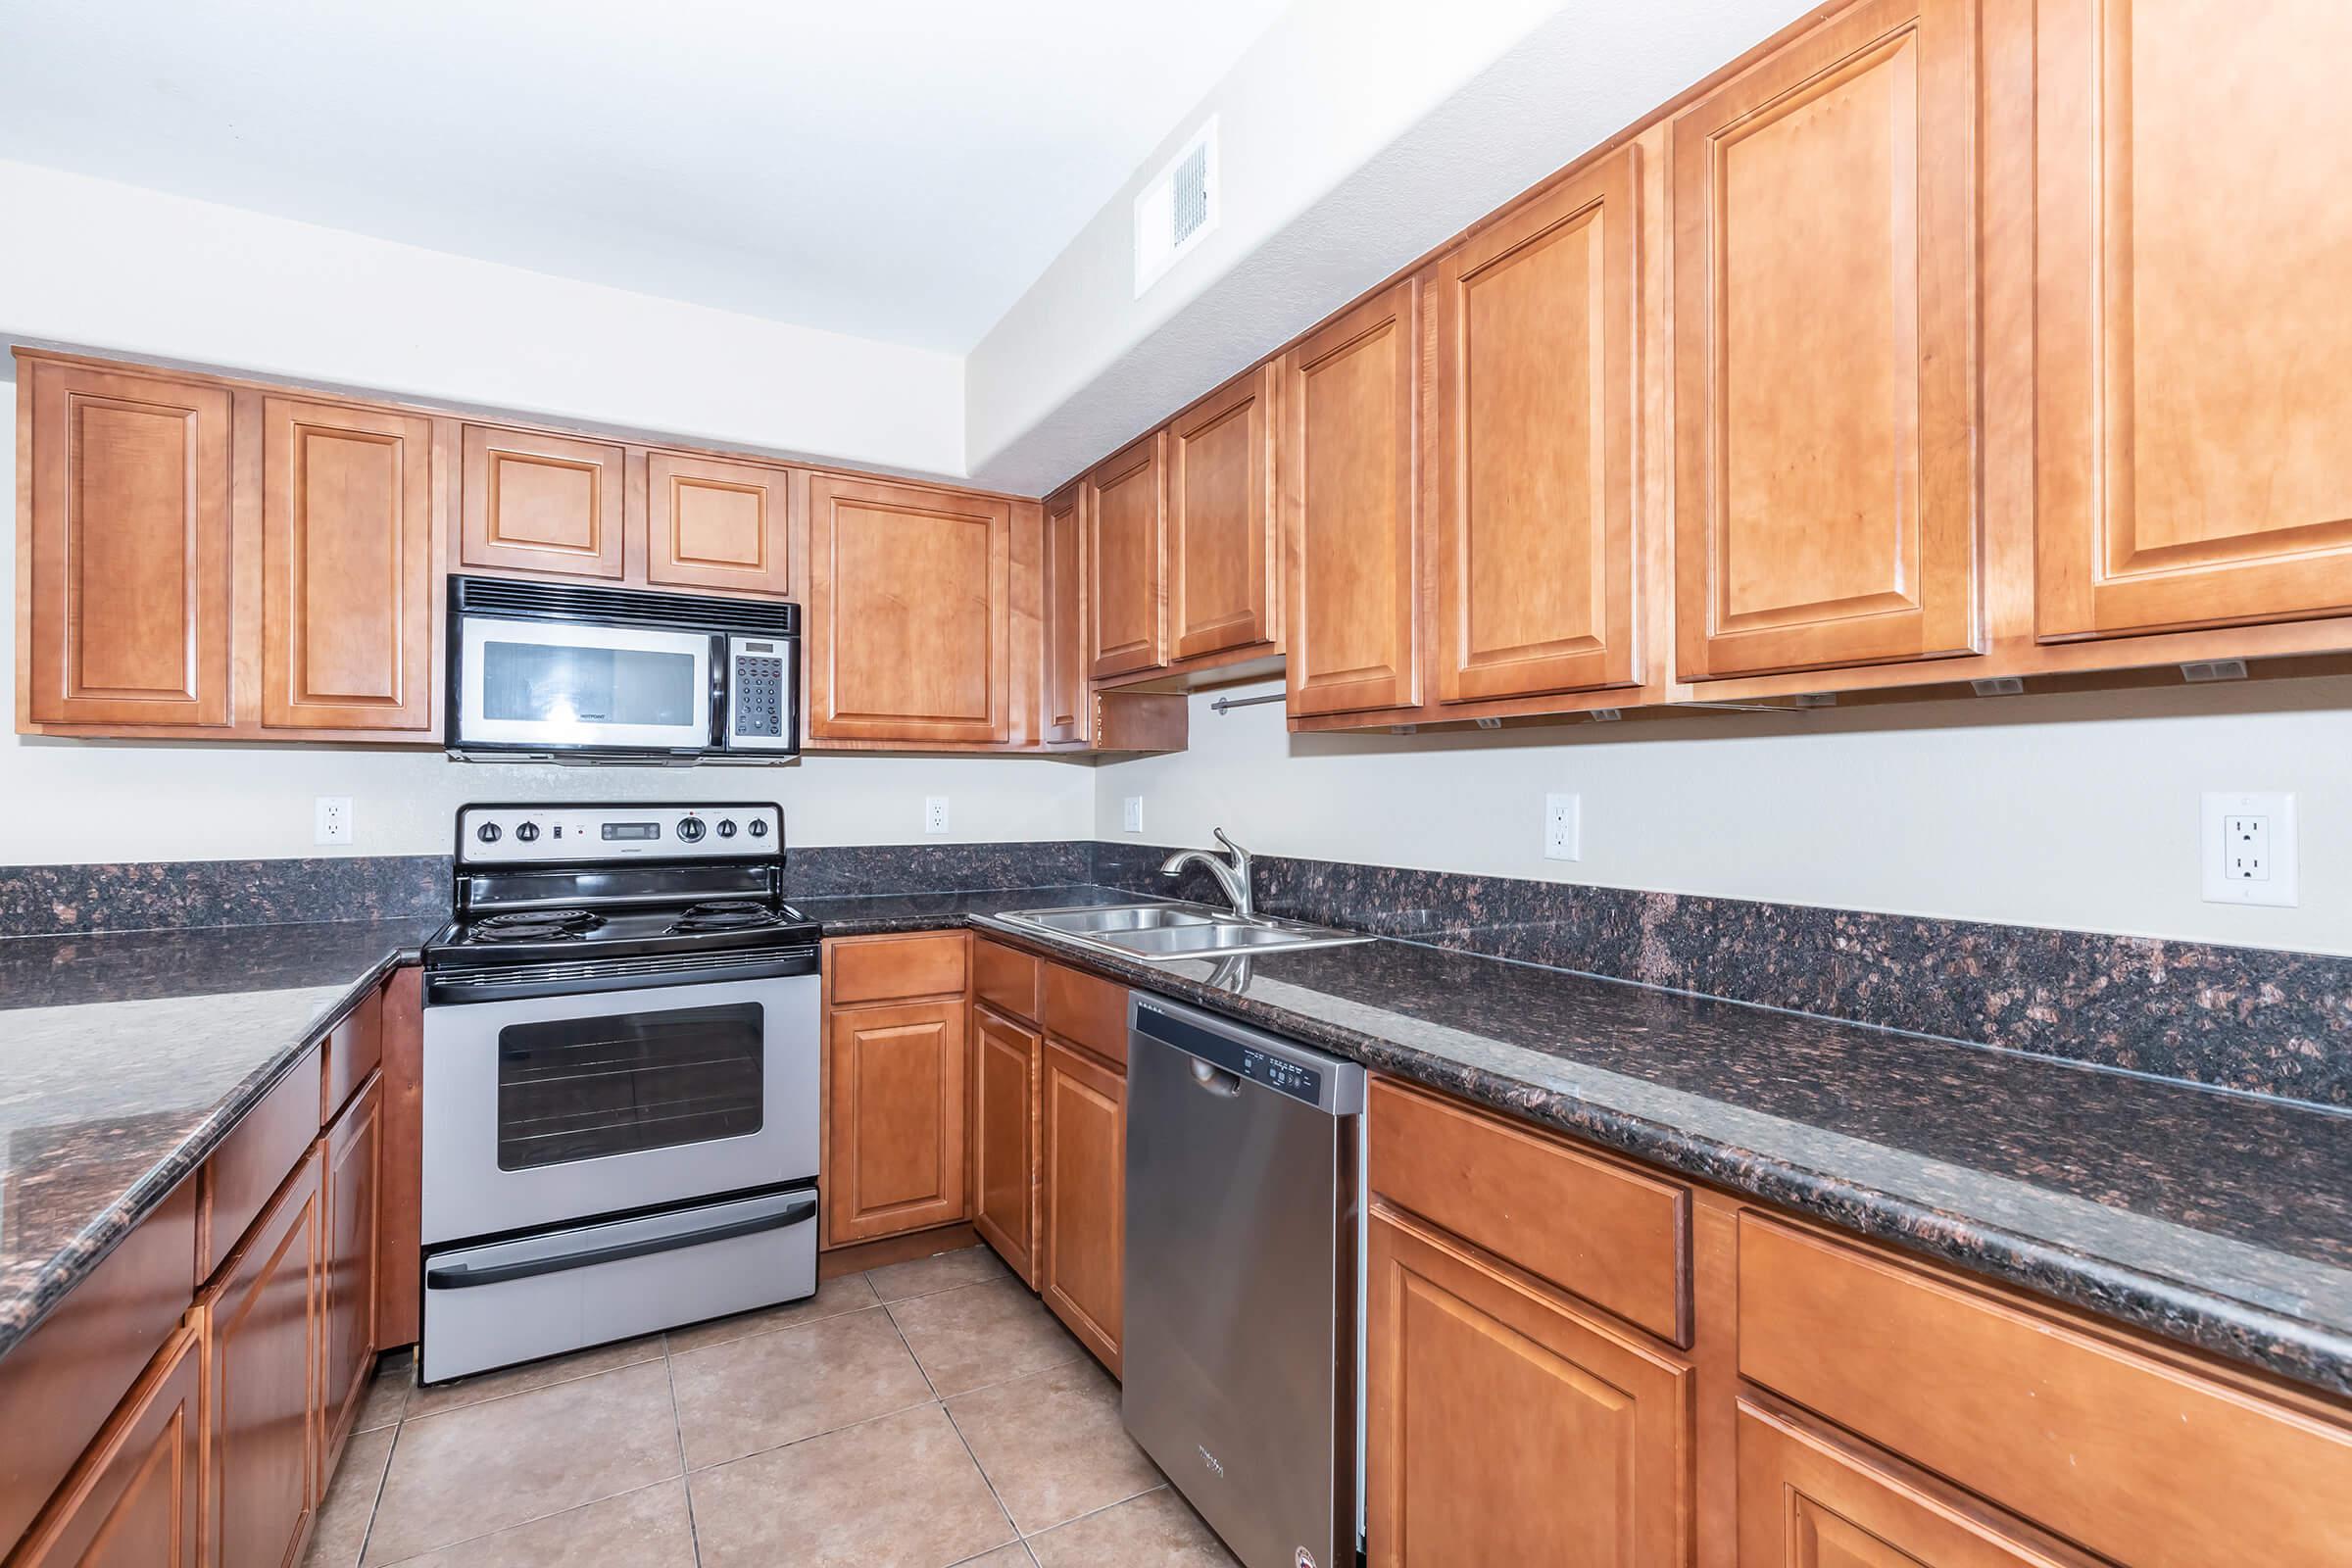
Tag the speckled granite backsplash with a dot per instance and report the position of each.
(2277, 1023)
(179, 894)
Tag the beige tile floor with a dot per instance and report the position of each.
(922, 1416)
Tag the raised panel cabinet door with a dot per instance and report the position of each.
(124, 550)
(348, 601)
(1223, 556)
(1827, 493)
(261, 1415)
(1807, 1501)
(2193, 333)
(715, 526)
(355, 1151)
(1082, 1202)
(543, 504)
(1502, 1426)
(1127, 555)
(133, 1500)
(1350, 492)
(1005, 1108)
(911, 613)
(1066, 661)
(896, 1109)
(1534, 547)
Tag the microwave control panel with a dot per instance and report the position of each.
(760, 691)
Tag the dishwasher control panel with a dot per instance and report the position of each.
(1300, 1083)
(1293, 1071)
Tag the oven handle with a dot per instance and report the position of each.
(461, 1277)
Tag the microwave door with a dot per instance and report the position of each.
(556, 686)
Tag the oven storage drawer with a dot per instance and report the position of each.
(495, 1304)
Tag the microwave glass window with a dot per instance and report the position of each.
(589, 1087)
(546, 684)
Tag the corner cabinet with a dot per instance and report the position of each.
(909, 614)
(1826, 383)
(122, 550)
(2194, 371)
(1351, 497)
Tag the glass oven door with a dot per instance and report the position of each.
(553, 1109)
(561, 685)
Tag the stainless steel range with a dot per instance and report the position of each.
(621, 1080)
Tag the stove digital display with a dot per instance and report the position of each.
(632, 830)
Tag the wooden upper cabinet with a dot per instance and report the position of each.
(1824, 288)
(1065, 658)
(1503, 1427)
(1223, 555)
(1350, 496)
(1535, 546)
(124, 550)
(715, 526)
(543, 504)
(1126, 524)
(348, 601)
(911, 613)
(2193, 331)
(896, 1128)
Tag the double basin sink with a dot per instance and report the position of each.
(1170, 931)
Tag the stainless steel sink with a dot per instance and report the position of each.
(1170, 931)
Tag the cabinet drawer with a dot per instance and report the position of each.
(1005, 978)
(256, 1156)
(354, 1050)
(929, 964)
(1595, 1228)
(2139, 1457)
(1087, 1010)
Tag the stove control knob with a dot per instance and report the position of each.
(690, 828)
(727, 827)
(488, 832)
(758, 828)
(528, 832)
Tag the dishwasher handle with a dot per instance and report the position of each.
(1219, 1081)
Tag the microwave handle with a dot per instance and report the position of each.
(722, 682)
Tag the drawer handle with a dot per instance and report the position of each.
(464, 1276)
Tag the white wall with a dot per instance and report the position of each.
(1353, 137)
(2077, 811)
(108, 267)
(69, 801)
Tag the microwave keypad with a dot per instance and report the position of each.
(758, 696)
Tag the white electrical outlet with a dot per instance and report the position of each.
(1563, 828)
(1134, 814)
(332, 822)
(2248, 849)
(935, 814)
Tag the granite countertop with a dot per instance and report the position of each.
(126, 1057)
(2218, 1219)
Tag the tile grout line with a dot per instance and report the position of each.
(376, 1499)
(677, 1427)
(956, 1427)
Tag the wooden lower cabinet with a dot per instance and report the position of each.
(1006, 1061)
(262, 1411)
(894, 1120)
(133, 1501)
(352, 1150)
(1503, 1425)
(1807, 1501)
(1082, 1228)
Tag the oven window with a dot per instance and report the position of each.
(585, 1088)
(543, 683)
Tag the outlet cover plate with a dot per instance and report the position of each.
(935, 814)
(1563, 828)
(2235, 821)
(1132, 814)
(331, 819)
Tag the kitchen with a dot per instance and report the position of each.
(1504, 784)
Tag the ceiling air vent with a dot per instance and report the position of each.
(1178, 210)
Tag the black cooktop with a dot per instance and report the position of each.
(527, 935)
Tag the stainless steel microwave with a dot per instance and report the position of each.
(548, 671)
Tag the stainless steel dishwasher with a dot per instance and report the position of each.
(1243, 1361)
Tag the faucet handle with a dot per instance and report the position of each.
(1239, 853)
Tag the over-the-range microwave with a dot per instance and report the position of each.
(548, 671)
